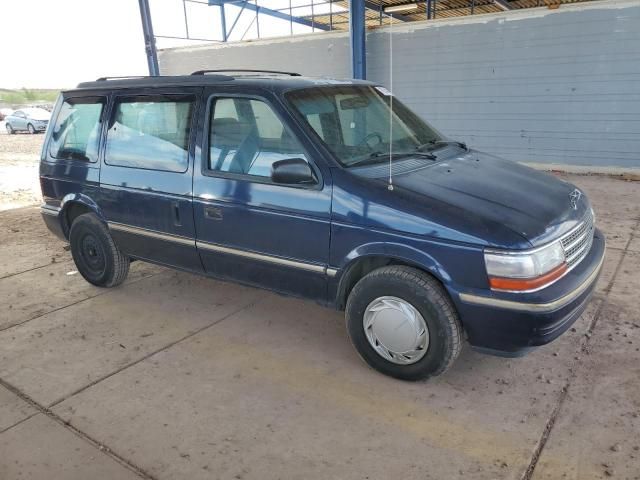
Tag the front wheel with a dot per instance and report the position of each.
(403, 323)
(97, 257)
(31, 129)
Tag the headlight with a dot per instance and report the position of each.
(525, 271)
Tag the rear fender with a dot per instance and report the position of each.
(71, 200)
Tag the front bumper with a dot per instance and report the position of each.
(510, 324)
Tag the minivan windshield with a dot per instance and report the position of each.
(354, 123)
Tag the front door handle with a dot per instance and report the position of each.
(212, 213)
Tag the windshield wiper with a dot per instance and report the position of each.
(435, 143)
(379, 157)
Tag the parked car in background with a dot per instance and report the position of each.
(30, 120)
(326, 190)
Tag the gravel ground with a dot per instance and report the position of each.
(19, 155)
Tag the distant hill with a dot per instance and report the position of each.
(15, 98)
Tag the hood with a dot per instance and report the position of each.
(487, 190)
(532, 204)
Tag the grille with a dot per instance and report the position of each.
(577, 242)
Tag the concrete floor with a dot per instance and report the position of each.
(178, 376)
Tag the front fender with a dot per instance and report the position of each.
(399, 252)
(376, 254)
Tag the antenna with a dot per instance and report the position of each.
(390, 186)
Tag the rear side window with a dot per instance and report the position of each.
(76, 133)
(150, 132)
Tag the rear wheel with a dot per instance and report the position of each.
(10, 129)
(97, 257)
(403, 323)
(31, 129)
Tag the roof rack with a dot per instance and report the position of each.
(126, 77)
(244, 70)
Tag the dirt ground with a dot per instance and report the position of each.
(19, 154)
(175, 376)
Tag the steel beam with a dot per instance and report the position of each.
(357, 35)
(272, 13)
(503, 4)
(377, 8)
(149, 38)
(233, 25)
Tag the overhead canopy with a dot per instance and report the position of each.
(326, 15)
(375, 10)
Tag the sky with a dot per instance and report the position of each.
(59, 43)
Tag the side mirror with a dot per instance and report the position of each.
(292, 171)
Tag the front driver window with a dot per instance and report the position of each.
(246, 137)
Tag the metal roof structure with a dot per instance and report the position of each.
(356, 16)
(377, 11)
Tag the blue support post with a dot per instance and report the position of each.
(149, 38)
(357, 34)
(223, 23)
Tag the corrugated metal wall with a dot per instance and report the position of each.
(555, 87)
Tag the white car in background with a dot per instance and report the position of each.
(30, 120)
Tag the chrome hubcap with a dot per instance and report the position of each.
(396, 330)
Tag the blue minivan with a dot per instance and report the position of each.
(328, 190)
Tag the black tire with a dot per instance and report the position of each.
(95, 254)
(10, 129)
(31, 129)
(426, 295)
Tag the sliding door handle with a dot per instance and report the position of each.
(176, 214)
